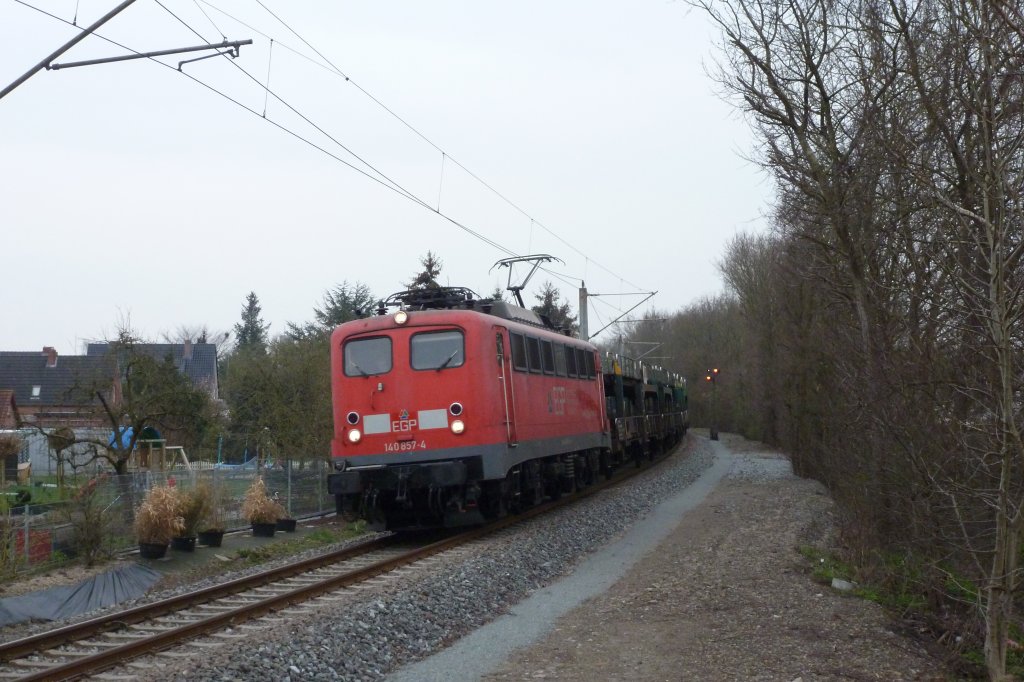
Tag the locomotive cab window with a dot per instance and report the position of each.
(437, 350)
(366, 357)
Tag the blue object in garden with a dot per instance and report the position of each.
(126, 432)
(122, 438)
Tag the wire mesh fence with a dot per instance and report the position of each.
(93, 512)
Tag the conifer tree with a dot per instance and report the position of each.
(343, 303)
(551, 306)
(251, 332)
(427, 279)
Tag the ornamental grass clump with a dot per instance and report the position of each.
(93, 525)
(258, 507)
(159, 518)
(213, 515)
(195, 504)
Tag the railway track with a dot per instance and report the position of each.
(222, 612)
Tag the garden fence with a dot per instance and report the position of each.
(43, 531)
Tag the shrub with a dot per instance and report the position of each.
(8, 557)
(87, 514)
(159, 517)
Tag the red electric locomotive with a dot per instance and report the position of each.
(452, 410)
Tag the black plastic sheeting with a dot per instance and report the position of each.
(127, 582)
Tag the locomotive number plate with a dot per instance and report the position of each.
(405, 446)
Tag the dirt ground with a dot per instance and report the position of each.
(57, 577)
(728, 596)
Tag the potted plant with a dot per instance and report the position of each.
(261, 511)
(285, 522)
(212, 524)
(157, 520)
(194, 504)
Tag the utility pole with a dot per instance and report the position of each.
(584, 325)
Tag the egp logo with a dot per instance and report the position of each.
(403, 423)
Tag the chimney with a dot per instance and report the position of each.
(186, 353)
(51, 356)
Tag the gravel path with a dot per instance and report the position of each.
(727, 596)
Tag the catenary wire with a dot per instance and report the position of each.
(412, 128)
(393, 184)
(210, 19)
(401, 189)
(295, 111)
(385, 182)
(329, 66)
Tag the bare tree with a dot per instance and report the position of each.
(894, 131)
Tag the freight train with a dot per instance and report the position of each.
(450, 410)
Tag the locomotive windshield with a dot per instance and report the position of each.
(365, 357)
(437, 350)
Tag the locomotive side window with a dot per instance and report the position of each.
(581, 363)
(533, 353)
(586, 361)
(559, 359)
(519, 352)
(366, 357)
(570, 361)
(547, 357)
(437, 350)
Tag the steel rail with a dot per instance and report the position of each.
(115, 621)
(111, 657)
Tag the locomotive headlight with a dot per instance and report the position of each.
(458, 426)
(354, 436)
(401, 317)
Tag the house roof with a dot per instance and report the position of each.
(197, 361)
(27, 375)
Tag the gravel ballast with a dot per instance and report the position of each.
(378, 631)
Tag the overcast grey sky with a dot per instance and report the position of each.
(131, 190)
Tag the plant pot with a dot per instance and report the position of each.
(264, 530)
(211, 538)
(152, 550)
(287, 525)
(184, 544)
